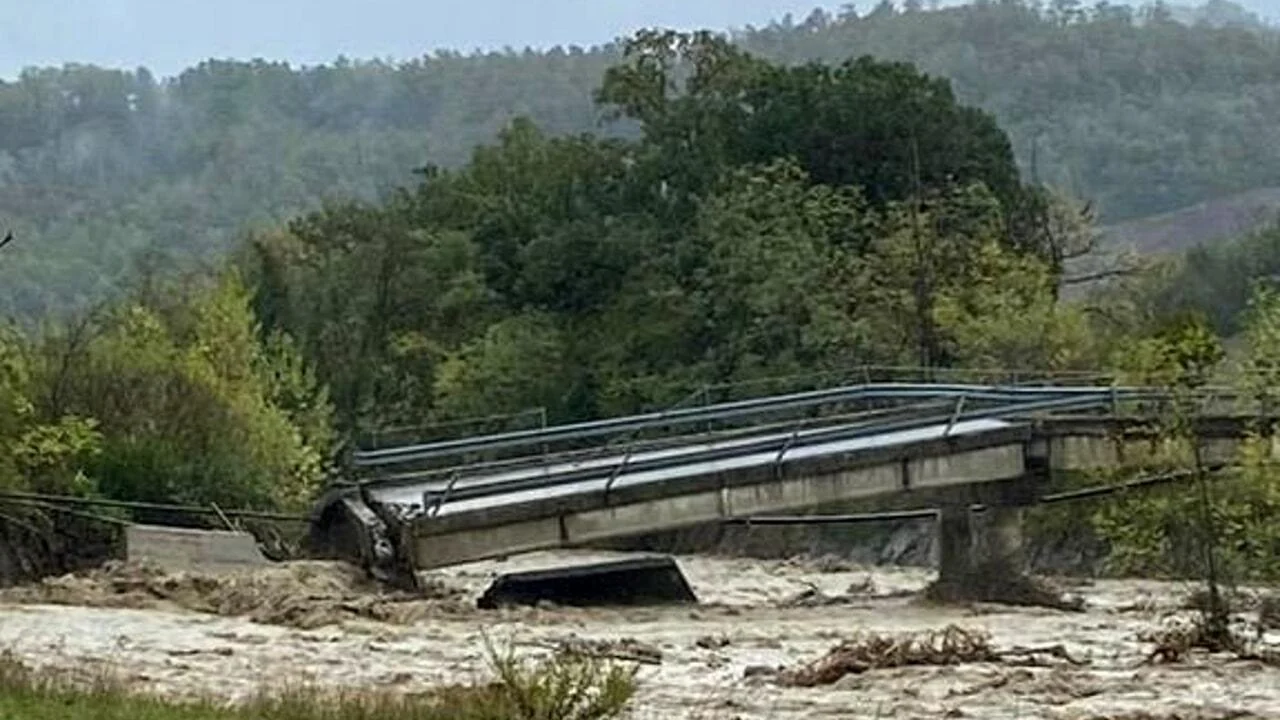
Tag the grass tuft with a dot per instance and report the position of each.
(563, 687)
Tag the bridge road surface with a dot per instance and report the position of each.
(619, 502)
(520, 504)
(416, 494)
(409, 488)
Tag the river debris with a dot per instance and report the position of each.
(993, 583)
(624, 649)
(1269, 612)
(952, 645)
(1179, 639)
(872, 651)
(813, 596)
(1233, 601)
(713, 642)
(303, 595)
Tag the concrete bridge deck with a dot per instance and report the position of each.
(700, 491)
(422, 519)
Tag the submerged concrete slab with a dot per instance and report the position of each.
(633, 581)
(192, 550)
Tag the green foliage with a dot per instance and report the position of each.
(41, 453)
(518, 363)
(883, 127)
(1219, 280)
(1005, 316)
(560, 688)
(1261, 366)
(51, 456)
(593, 275)
(780, 257)
(1156, 532)
(1182, 353)
(1109, 101)
(190, 406)
(566, 687)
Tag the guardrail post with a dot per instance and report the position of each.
(955, 415)
(791, 439)
(617, 470)
(546, 448)
(706, 402)
(443, 497)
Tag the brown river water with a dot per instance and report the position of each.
(151, 636)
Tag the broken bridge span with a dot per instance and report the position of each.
(428, 505)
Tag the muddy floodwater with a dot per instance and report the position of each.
(754, 615)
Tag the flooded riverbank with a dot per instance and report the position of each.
(716, 658)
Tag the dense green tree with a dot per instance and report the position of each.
(880, 126)
(1164, 531)
(191, 405)
(1216, 280)
(588, 275)
(780, 279)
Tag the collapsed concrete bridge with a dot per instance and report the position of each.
(437, 504)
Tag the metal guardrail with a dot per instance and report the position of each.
(780, 444)
(736, 410)
(636, 444)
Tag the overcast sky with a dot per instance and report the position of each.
(170, 35)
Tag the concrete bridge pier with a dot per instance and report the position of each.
(980, 553)
(955, 545)
(997, 539)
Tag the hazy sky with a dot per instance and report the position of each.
(169, 35)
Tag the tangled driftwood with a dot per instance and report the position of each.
(868, 651)
(1177, 640)
(951, 645)
(625, 649)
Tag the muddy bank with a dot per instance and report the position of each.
(718, 660)
(297, 594)
(34, 545)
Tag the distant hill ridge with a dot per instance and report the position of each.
(1127, 107)
(1203, 223)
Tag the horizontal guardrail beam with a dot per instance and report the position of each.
(772, 443)
(721, 412)
(868, 418)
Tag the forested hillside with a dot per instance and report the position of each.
(106, 173)
(760, 219)
(727, 242)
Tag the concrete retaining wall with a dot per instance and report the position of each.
(184, 549)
